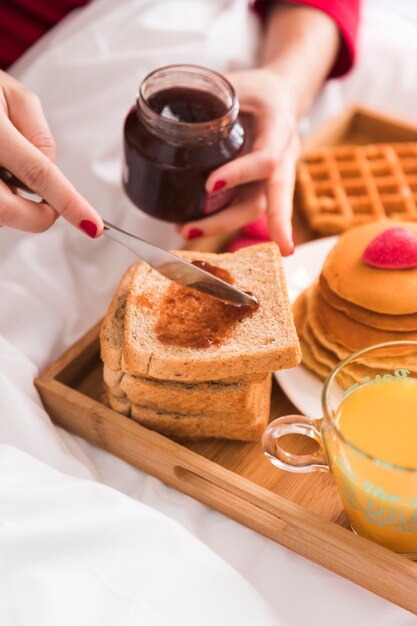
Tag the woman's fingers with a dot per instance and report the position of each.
(274, 131)
(38, 173)
(247, 207)
(280, 196)
(26, 114)
(274, 196)
(259, 164)
(246, 169)
(24, 109)
(17, 212)
(28, 152)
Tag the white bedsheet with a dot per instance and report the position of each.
(73, 548)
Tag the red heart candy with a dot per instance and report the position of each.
(257, 229)
(241, 242)
(393, 249)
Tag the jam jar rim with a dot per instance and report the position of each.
(228, 118)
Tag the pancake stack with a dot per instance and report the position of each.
(354, 305)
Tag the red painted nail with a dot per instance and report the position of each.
(194, 233)
(219, 184)
(89, 228)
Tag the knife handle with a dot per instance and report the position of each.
(11, 180)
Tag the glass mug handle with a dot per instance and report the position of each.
(298, 463)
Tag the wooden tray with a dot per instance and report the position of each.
(301, 512)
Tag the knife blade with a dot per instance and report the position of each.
(169, 265)
(177, 269)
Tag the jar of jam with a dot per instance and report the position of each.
(185, 125)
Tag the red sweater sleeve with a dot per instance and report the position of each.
(23, 22)
(345, 13)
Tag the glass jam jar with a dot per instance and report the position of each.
(185, 125)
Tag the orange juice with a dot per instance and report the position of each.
(380, 493)
(380, 418)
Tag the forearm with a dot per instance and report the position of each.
(301, 44)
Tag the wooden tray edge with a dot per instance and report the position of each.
(352, 113)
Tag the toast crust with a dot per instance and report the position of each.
(198, 426)
(111, 332)
(212, 398)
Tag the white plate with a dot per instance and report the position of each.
(301, 269)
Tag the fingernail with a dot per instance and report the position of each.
(219, 184)
(194, 233)
(89, 228)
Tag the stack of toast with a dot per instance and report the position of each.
(354, 305)
(345, 186)
(218, 390)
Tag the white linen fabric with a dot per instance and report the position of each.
(73, 548)
(77, 552)
(386, 71)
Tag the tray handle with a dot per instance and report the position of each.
(232, 501)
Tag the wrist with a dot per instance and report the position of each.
(301, 45)
(285, 86)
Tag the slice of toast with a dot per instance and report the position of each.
(198, 425)
(263, 342)
(111, 346)
(121, 405)
(112, 377)
(213, 398)
(111, 332)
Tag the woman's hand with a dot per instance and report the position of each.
(267, 172)
(299, 47)
(27, 150)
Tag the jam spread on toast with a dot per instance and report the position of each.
(216, 271)
(142, 300)
(190, 319)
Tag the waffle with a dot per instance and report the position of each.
(345, 186)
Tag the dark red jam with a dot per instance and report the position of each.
(190, 319)
(185, 125)
(220, 272)
(184, 104)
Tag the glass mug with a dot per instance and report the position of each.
(367, 439)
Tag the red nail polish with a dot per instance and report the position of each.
(194, 233)
(89, 228)
(219, 184)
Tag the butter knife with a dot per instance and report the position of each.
(173, 267)
(169, 265)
